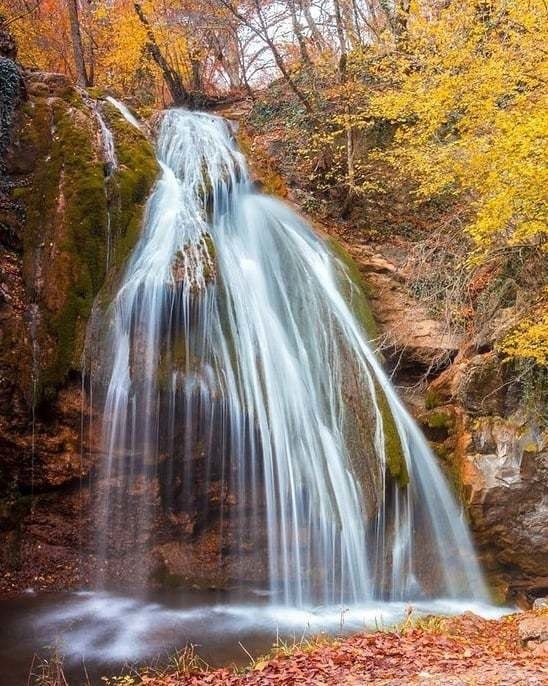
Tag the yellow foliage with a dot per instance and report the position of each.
(121, 39)
(41, 34)
(528, 340)
(114, 40)
(463, 97)
(468, 94)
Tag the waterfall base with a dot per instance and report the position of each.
(106, 632)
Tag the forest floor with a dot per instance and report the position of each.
(460, 651)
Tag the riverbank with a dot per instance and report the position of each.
(437, 651)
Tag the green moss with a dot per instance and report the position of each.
(440, 420)
(85, 220)
(395, 459)
(130, 185)
(96, 92)
(431, 399)
(210, 245)
(355, 295)
(64, 237)
(65, 234)
(441, 450)
(355, 289)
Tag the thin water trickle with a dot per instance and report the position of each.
(111, 164)
(124, 111)
(233, 355)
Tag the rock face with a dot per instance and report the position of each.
(56, 211)
(414, 342)
(502, 461)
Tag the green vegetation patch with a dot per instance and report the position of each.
(64, 240)
(395, 459)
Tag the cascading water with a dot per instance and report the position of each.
(235, 360)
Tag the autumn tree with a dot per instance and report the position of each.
(77, 45)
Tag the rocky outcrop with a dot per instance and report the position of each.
(410, 338)
(497, 445)
(56, 211)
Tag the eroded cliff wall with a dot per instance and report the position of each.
(59, 208)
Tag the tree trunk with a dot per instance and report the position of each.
(342, 40)
(350, 175)
(172, 79)
(315, 33)
(356, 14)
(297, 30)
(77, 46)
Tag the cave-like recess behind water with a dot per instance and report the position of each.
(236, 333)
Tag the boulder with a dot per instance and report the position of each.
(533, 629)
(505, 473)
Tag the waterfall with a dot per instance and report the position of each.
(241, 394)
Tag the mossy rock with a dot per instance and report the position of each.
(441, 450)
(64, 241)
(130, 184)
(270, 181)
(395, 459)
(440, 420)
(355, 291)
(432, 399)
(67, 204)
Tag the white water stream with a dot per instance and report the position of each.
(234, 336)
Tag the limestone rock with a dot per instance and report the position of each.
(507, 494)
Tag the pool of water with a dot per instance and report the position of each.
(101, 633)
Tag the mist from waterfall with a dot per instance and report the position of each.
(234, 359)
